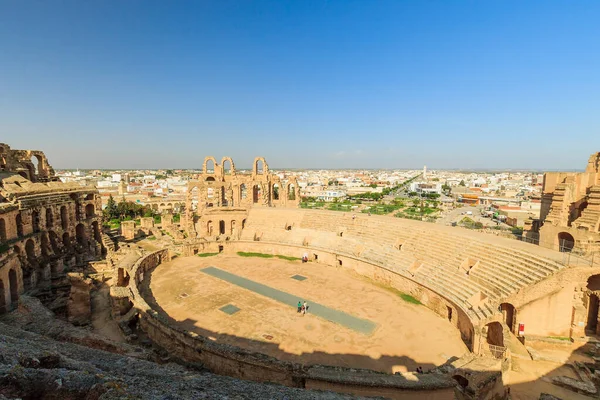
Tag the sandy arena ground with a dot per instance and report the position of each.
(406, 336)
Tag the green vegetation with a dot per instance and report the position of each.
(312, 204)
(404, 296)
(470, 224)
(151, 238)
(381, 209)
(176, 218)
(263, 255)
(565, 338)
(340, 206)
(289, 258)
(206, 254)
(251, 254)
(517, 230)
(126, 211)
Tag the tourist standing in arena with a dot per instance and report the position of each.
(299, 306)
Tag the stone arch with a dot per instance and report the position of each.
(2, 298)
(231, 170)
(495, 335)
(89, 196)
(49, 218)
(2, 230)
(13, 284)
(243, 191)
(96, 231)
(209, 228)
(223, 196)
(256, 193)
(210, 179)
(509, 313)
(66, 240)
(80, 234)
(461, 381)
(260, 166)
(45, 244)
(566, 242)
(35, 221)
(19, 223)
(30, 250)
(291, 191)
(221, 227)
(89, 210)
(53, 241)
(276, 191)
(205, 165)
(64, 217)
(233, 227)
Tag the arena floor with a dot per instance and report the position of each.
(252, 303)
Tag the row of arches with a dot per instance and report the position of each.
(227, 167)
(37, 224)
(9, 293)
(207, 196)
(224, 228)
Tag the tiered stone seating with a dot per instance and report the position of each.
(459, 265)
(590, 217)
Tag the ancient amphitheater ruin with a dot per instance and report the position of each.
(202, 318)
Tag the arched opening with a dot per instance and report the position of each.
(210, 166)
(340, 263)
(509, 313)
(49, 218)
(64, 217)
(256, 193)
(494, 334)
(19, 223)
(53, 241)
(260, 166)
(80, 234)
(89, 196)
(210, 179)
(45, 244)
(221, 227)
(210, 193)
(194, 198)
(276, 191)
(2, 230)
(209, 228)
(66, 240)
(35, 221)
(232, 227)
(592, 313)
(14, 286)
(35, 167)
(97, 233)
(291, 192)
(2, 298)
(30, 250)
(461, 381)
(566, 242)
(227, 170)
(89, 210)
(449, 312)
(243, 191)
(223, 196)
(243, 223)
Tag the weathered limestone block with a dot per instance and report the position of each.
(147, 224)
(119, 298)
(79, 309)
(128, 230)
(166, 219)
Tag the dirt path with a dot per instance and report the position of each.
(102, 321)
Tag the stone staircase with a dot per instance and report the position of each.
(590, 217)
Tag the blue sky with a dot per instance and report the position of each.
(315, 84)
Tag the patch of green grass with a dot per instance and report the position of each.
(404, 296)
(250, 254)
(288, 258)
(151, 238)
(560, 338)
(206, 254)
(408, 298)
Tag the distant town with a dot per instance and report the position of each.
(500, 201)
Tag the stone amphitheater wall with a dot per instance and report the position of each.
(239, 363)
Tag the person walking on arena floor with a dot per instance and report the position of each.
(304, 308)
(299, 306)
